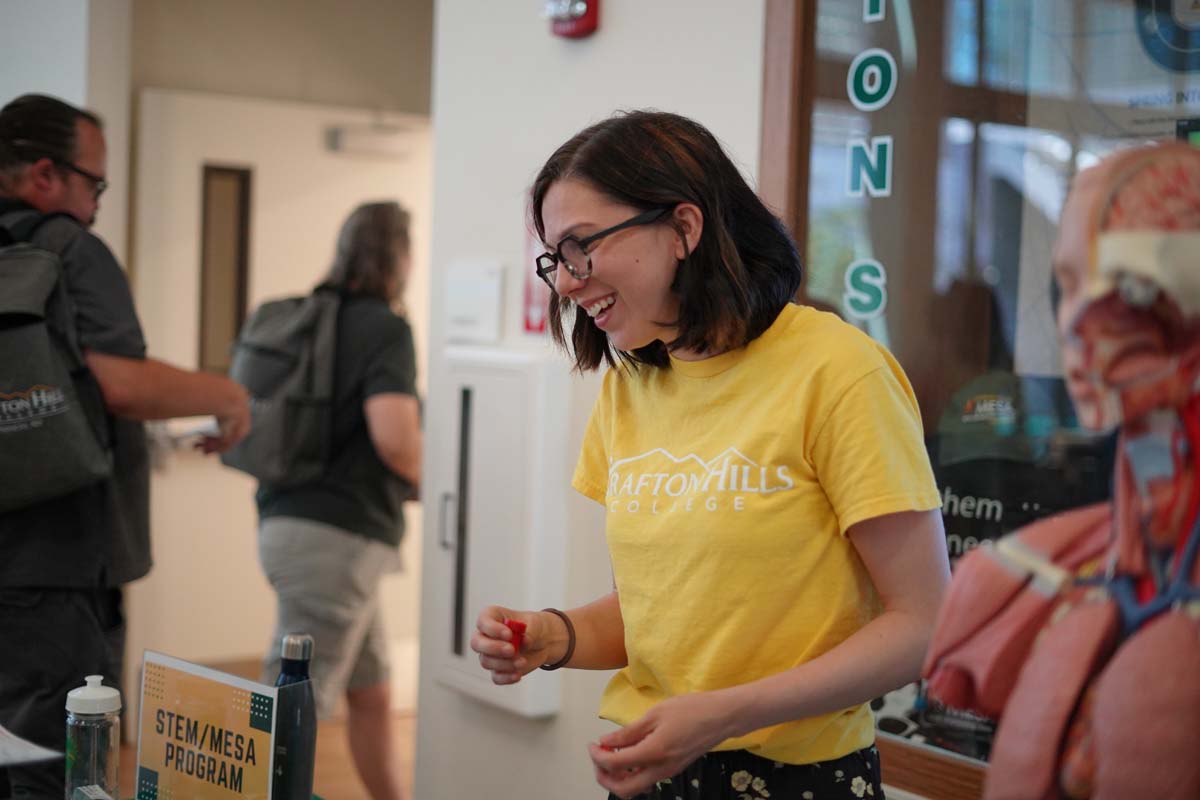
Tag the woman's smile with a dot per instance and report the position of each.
(598, 308)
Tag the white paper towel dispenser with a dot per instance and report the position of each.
(498, 496)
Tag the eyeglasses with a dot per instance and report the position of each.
(98, 184)
(573, 251)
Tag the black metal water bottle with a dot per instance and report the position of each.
(296, 721)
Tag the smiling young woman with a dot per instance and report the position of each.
(721, 292)
(777, 554)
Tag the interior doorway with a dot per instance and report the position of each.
(206, 599)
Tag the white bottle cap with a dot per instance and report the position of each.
(93, 698)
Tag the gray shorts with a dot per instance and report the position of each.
(327, 582)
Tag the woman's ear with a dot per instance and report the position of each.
(688, 220)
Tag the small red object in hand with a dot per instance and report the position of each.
(518, 633)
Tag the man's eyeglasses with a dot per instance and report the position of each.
(33, 152)
(98, 184)
(573, 251)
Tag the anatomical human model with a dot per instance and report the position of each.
(1080, 632)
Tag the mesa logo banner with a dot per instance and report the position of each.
(203, 734)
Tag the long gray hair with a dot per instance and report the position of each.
(369, 247)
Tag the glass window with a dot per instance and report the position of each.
(944, 139)
(837, 233)
(962, 41)
(842, 35)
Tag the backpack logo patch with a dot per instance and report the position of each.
(20, 411)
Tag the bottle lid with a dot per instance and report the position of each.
(297, 647)
(93, 698)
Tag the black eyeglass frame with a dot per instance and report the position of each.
(98, 184)
(548, 262)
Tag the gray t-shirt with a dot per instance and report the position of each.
(357, 493)
(100, 535)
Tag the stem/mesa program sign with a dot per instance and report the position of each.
(202, 733)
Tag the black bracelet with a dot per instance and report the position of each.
(562, 662)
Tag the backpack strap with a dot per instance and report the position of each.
(20, 226)
(331, 288)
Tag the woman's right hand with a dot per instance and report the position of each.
(492, 640)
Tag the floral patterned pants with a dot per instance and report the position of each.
(739, 775)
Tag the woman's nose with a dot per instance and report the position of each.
(565, 282)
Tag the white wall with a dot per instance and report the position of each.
(366, 53)
(77, 50)
(109, 65)
(206, 599)
(44, 48)
(506, 93)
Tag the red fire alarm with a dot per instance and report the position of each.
(573, 19)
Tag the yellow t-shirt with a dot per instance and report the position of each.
(730, 483)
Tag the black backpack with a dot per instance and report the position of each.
(54, 431)
(284, 357)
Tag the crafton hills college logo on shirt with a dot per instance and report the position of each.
(659, 482)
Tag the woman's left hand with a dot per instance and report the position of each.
(668, 738)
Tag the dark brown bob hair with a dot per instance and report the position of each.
(742, 272)
(369, 247)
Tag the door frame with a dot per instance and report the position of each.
(789, 95)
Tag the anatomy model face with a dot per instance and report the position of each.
(1127, 267)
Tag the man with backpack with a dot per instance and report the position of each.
(67, 549)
